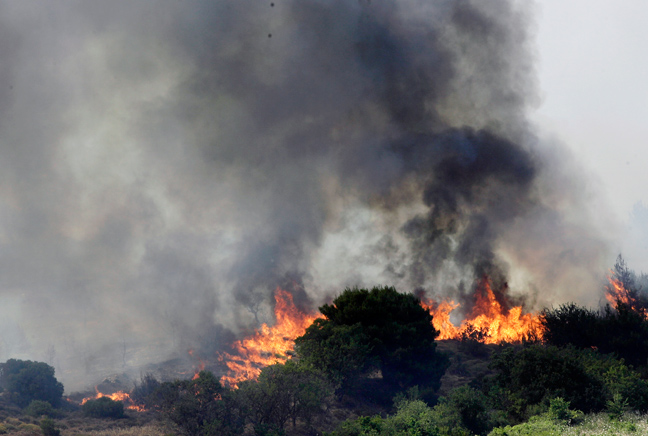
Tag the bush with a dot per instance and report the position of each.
(284, 392)
(142, 391)
(25, 381)
(40, 408)
(49, 428)
(532, 375)
(464, 408)
(103, 407)
(199, 407)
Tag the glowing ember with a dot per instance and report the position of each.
(117, 396)
(488, 318)
(268, 345)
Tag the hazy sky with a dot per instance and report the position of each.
(593, 78)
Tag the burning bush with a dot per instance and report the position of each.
(621, 330)
(103, 407)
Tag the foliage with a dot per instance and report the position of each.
(365, 330)
(282, 393)
(621, 330)
(103, 407)
(464, 408)
(528, 378)
(534, 374)
(144, 389)
(413, 418)
(200, 406)
(40, 408)
(49, 428)
(551, 423)
(537, 426)
(570, 324)
(25, 381)
(617, 406)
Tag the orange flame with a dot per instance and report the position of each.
(618, 293)
(268, 345)
(488, 318)
(201, 366)
(116, 396)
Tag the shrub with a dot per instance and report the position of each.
(40, 408)
(49, 428)
(103, 407)
(25, 381)
(534, 374)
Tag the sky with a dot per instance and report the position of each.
(592, 73)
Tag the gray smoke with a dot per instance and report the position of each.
(165, 165)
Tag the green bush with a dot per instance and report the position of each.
(103, 407)
(25, 381)
(533, 375)
(200, 407)
(40, 408)
(49, 428)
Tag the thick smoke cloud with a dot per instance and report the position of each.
(166, 165)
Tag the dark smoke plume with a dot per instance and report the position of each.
(166, 165)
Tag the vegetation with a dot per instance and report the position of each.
(364, 331)
(103, 407)
(376, 350)
(25, 381)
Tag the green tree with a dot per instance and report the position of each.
(377, 329)
(25, 381)
(200, 406)
(282, 393)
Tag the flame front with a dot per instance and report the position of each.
(122, 396)
(268, 345)
(492, 322)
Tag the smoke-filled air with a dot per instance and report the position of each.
(165, 166)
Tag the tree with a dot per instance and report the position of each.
(377, 329)
(200, 406)
(282, 393)
(571, 324)
(25, 381)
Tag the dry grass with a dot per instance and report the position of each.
(146, 430)
(600, 425)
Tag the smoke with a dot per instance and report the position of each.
(166, 165)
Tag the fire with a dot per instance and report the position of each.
(201, 366)
(492, 322)
(618, 293)
(268, 345)
(122, 396)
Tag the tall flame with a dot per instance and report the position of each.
(268, 345)
(493, 323)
